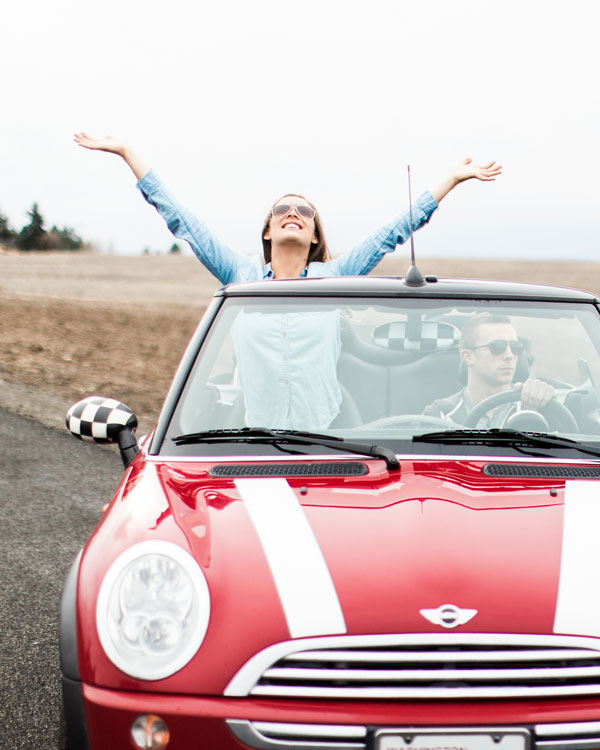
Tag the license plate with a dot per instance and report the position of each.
(451, 739)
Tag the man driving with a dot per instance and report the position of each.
(489, 348)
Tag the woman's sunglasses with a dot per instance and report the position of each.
(498, 346)
(281, 209)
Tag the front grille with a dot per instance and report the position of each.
(305, 469)
(573, 736)
(425, 667)
(542, 471)
(276, 735)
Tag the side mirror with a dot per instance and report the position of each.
(104, 420)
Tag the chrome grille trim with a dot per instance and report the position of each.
(425, 675)
(575, 727)
(422, 656)
(424, 666)
(264, 735)
(580, 735)
(279, 736)
(311, 730)
(579, 744)
(443, 693)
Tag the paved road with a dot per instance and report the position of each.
(52, 488)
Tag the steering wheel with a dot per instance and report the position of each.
(412, 419)
(557, 415)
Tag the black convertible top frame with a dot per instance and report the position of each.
(375, 286)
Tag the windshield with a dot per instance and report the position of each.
(387, 370)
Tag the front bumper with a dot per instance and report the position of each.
(275, 724)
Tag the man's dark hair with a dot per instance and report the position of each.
(468, 335)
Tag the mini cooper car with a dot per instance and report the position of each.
(367, 519)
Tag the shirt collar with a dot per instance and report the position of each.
(268, 272)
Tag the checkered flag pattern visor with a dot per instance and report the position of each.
(99, 420)
(420, 337)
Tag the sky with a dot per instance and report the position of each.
(237, 103)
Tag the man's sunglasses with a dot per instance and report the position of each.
(281, 209)
(498, 346)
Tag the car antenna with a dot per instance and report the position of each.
(413, 277)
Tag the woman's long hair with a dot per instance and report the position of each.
(318, 252)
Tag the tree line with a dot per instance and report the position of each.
(33, 236)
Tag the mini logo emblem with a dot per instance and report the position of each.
(448, 615)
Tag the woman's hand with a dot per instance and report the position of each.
(109, 144)
(113, 146)
(466, 171)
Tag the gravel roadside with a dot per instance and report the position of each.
(45, 408)
(53, 489)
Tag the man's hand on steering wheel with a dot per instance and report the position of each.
(535, 393)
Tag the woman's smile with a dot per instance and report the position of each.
(289, 220)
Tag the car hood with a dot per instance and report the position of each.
(435, 548)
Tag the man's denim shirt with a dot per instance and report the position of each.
(286, 362)
(230, 265)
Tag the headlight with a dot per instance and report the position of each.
(153, 610)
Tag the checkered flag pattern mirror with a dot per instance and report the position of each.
(99, 420)
(426, 336)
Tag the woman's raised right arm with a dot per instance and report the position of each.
(114, 146)
(226, 264)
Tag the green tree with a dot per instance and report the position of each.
(6, 233)
(31, 236)
(174, 249)
(66, 238)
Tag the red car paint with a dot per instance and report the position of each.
(438, 531)
(403, 534)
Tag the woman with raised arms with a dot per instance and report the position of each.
(286, 387)
(292, 236)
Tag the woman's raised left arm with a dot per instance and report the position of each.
(466, 170)
(365, 256)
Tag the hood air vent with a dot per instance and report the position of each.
(542, 471)
(311, 469)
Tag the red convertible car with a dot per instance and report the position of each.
(367, 519)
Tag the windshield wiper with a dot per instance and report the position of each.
(497, 436)
(260, 434)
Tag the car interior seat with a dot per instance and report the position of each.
(401, 367)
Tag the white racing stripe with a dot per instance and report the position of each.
(302, 579)
(578, 600)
